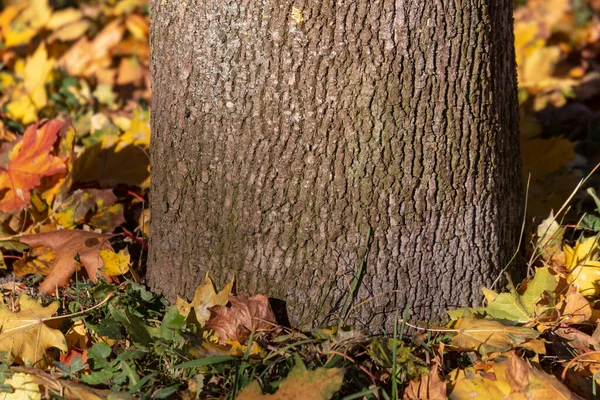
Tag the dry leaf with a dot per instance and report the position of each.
(204, 298)
(300, 384)
(245, 315)
(532, 383)
(574, 308)
(487, 336)
(23, 386)
(584, 270)
(30, 160)
(115, 264)
(25, 336)
(428, 387)
(69, 244)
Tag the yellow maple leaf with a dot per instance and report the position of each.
(23, 386)
(204, 298)
(115, 264)
(584, 271)
(25, 335)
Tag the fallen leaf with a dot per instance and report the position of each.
(533, 383)
(245, 315)
(68, 245)
(300, 384)
(470, 383)
(30, 160)
(24, 334)
(487, 336)
(95, 207)
(573, 307)
(24, 388)
(115, 264)
(584, 269)
(205, 297)
(428, 387)
(37, 261)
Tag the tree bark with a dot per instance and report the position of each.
(308, 147)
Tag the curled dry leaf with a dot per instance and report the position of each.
(245, 315)
(69, 244)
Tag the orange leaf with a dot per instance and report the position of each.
(68, 244)
(30, 160)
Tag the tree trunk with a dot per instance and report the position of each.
(310, 147)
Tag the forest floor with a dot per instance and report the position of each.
(75, 134)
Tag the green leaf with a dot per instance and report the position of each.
(171, 324)
(200, 362)
(591, 222)
(543, 281)
(97, 377)
(165, 392)
(507, 306)
(98, 354)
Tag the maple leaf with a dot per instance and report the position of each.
(204, 298)
(30, 160)
(301, 384)
(69, 244)
(245, 315)
(24, 334)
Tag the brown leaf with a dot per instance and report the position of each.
(428, 387)
(574, 308)
(68, 244)
(577, 340)
(244, 316)
(533, 383)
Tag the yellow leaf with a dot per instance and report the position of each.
(24, 334)
(70, 32)
(63, 17)
(138, 132)
(37, 14)
(204, 298)
(472, 384)
(24, 388)
(22, 108)
(115, 264)
(487, 336)
(584, 271)
(37, 70)
(38, 261)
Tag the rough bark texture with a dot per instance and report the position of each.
(292, 138)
